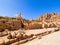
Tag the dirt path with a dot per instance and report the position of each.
(51, 39)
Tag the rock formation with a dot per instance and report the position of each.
(44, 21)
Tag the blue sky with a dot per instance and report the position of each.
(28, 8)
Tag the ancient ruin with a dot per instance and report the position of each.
(44, 21)
(17, 30)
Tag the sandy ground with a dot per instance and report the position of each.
(46, 40)
(37, 31)
(51, 39)
(28, 32)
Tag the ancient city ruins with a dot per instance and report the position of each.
(19, 31)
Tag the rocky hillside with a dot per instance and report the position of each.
(44, 21)
(50, 17)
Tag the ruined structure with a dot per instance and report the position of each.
(44, 21)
